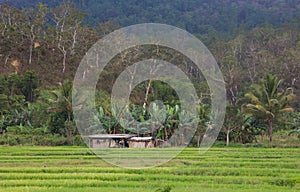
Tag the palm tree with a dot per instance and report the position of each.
(61, 103)
(62, 99)
(267, 102)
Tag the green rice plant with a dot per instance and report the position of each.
(220, 169)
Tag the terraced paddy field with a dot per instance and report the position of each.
(75, 169)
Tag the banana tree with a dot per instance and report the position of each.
(106, 119)
(250, 127)
(203, 112)
(5, 121)
(170, 124)
(295, 131)
(187, 123)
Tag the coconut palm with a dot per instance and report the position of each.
(62, 99)
(267, 101)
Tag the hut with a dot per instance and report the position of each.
(109, 140)
(141, 142)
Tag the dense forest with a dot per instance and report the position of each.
(207, 18)
(256, 45)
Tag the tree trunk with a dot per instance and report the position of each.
(147, 91)
(32, 38)
(227, 137)
(69, 116)
(271, 129)
(64, 60)
(30, 54)
(198, 140)
(166, 134)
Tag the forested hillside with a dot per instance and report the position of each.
(42, 44)
(223, 19)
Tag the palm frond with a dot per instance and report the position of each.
(286, 110)
(252, 97)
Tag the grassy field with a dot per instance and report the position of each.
(75, 169)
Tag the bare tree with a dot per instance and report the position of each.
(36, 20)
(67, 22)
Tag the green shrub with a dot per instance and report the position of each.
(78, 141)
(284, 182)
(167, 188)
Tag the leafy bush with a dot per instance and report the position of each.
(167, 188)
(19, 135)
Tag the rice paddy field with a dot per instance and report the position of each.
(77, 169)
